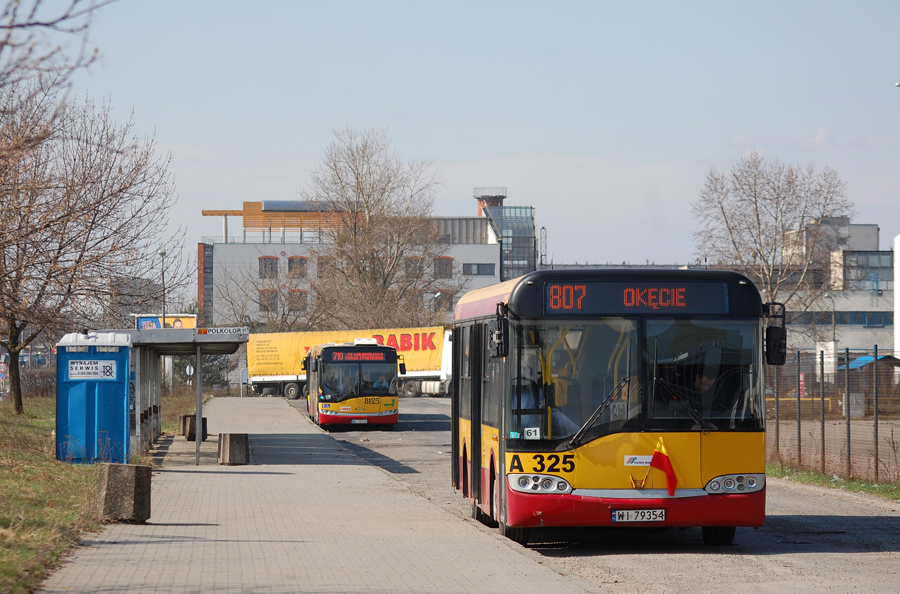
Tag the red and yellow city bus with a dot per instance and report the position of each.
(601, 398)
(353, 384)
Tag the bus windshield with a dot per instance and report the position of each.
(350, 380)
(580, 379)
(705, 370)
(570, 373)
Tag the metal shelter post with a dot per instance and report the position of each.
(198, 423)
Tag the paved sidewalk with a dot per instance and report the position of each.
(305, 516)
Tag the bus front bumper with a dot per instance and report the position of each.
(331, 418)
(525, 510)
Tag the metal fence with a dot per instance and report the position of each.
(839, 416)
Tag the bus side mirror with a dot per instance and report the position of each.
(776, 345)
(498, 335)
(303, 364)
(403, 369)
(776, 335)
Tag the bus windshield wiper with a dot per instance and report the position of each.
(599, 411)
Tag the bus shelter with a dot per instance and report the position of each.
(149, 346)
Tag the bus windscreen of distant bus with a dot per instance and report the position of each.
(365, 374)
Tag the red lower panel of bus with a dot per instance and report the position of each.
(532, 511)
(355, 420)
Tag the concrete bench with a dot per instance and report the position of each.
(123, 493)
(234, 448)
(188, 430)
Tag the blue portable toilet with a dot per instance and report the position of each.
(92, 423)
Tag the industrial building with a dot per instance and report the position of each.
(280, 245)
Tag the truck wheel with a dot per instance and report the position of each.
(410, 389)
(292, 391)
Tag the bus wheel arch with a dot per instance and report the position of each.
(494, 497)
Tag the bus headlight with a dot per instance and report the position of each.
(538, 484)
(736, 483)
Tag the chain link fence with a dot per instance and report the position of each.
(838, 416)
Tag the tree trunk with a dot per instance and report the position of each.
(15, 379)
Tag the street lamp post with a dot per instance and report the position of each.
(162, 321)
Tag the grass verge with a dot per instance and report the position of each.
(808, 477)
(44, 504)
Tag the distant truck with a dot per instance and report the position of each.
(274, 360)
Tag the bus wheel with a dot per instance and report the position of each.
(718, 536)
(410, 390)
(292, 391)
(519, 535)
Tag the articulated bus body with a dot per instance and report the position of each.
(352, 384)
(613, 398)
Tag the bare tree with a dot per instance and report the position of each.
(376, 271)
(84, 215)
(775, 223)
(30, 59)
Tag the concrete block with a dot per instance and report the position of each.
(190, 430)
(234, 448)
(123, 493)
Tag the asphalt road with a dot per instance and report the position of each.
(815, 539)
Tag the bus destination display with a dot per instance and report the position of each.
(635, 298)
(347, 356)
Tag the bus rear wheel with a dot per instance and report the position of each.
(519, 535)
(718, 536)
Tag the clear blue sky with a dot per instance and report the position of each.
(604, 116)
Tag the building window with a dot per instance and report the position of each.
(268, 267)
(297, 299)
(297, 267)
(415, 267)
(443, 267)
(268, 300)
(478, 269)
(869, 319)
